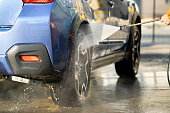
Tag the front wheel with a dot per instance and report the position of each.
(73, 88)
(128, 67)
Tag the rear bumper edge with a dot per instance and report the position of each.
(19, 67)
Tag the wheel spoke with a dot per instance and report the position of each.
(82, 68)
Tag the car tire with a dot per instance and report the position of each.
(73, 88)
(128, 67)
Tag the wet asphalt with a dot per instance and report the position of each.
(149, 92)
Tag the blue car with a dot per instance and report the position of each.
(62, 41)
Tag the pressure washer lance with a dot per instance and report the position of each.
(127, 26)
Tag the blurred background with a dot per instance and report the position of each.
(147, 7)
(154, 33)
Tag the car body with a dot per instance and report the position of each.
(46, 31)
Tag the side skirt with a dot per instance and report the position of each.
(108, 59)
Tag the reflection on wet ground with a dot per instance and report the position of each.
(148, 92)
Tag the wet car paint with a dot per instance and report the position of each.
(60, 26)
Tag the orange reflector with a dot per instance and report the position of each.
(30, 58)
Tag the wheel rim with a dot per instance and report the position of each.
(136, 50)
(82, 68)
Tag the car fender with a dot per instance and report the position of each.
(134, 14)
(134, 17)
(79, 19)
(133, 10)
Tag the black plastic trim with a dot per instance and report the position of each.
(43, 67)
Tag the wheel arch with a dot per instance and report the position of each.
(134, 13)
(78, 20)
(137, 19)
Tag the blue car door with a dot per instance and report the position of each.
(100, 14)
(118, 17)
